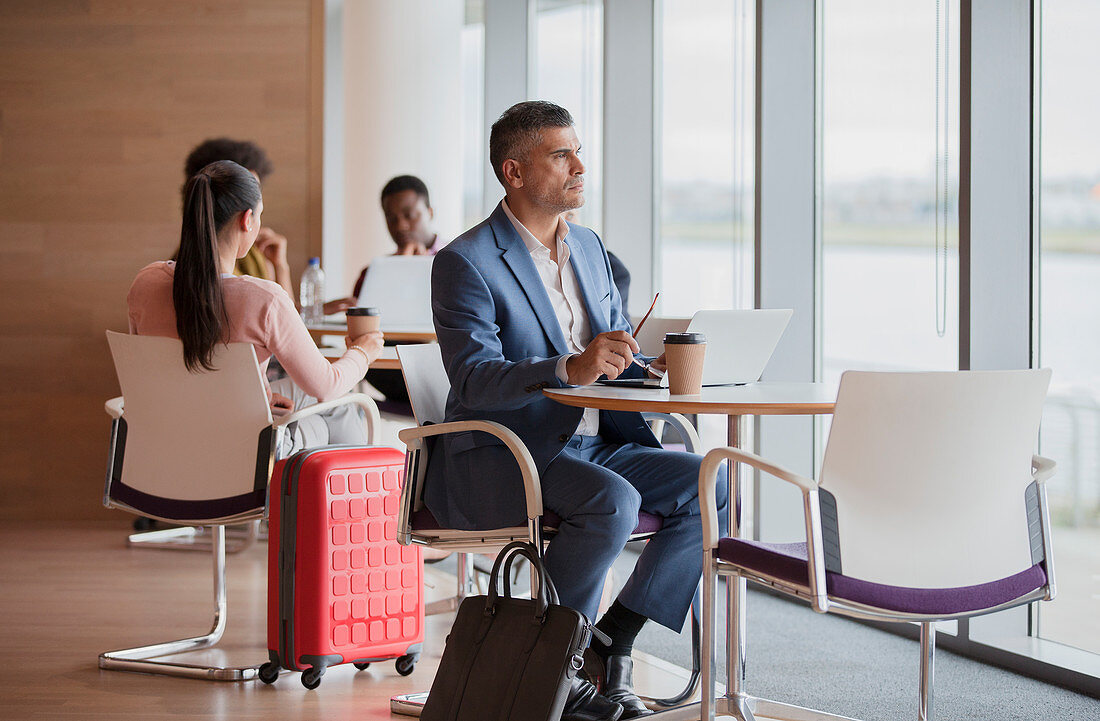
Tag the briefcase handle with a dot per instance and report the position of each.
(547, 594)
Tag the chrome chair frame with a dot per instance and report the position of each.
(737, 701)
(468, 542)
(140, 658)
(462, 541)
(197, 538)
(143, 659)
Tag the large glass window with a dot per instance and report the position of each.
(704, 254)
(474, 138)
(889, 251)
(1069, 339)
(568, 70)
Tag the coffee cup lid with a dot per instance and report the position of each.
(363, 311)
(691, 338)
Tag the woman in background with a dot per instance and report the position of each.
(198, 299)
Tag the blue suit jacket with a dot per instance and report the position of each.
(501, 341)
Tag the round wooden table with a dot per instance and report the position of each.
(734, 402)
(393, 336)
(387, 361)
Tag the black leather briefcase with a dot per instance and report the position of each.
(509, 659)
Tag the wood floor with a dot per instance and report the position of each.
(69, 592)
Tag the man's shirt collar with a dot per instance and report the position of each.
(534, 244)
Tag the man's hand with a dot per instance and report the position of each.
(339, 305)
(371, 343)
(658, 367)
(280, 405)
(608, 354)
(273, 246)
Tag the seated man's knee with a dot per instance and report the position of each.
(628, 503)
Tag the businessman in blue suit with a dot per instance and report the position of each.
(525, 301)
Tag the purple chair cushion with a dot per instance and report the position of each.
(788, 562)
(423, 520)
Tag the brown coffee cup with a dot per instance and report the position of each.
(684, 353)
(363, 320)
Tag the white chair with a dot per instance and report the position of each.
(428, 386)
(929, 506)
(195, 449)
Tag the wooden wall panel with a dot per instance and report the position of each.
(100, 102)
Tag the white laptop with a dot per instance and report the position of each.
(401, 287)
(739, 345)
(739, 342)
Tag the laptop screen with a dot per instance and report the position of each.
(739, 342)
(400, 286)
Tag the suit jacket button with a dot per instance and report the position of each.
(563, 437)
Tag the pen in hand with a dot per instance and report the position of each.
(641, 323)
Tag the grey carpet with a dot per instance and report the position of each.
(837, 665)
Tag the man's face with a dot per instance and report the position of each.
(553, 176)
(408, 218)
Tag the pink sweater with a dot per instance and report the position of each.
(260, 313)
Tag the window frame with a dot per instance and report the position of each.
(999, 92)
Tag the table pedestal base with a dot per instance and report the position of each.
(748, 708)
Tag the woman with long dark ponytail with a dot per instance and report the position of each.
(197, 288)
(198, 300)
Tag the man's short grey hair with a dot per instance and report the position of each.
(518, 131)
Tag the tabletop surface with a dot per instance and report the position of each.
(763, 398)
(387, 361)
(397, 335)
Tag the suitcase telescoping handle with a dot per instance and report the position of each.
(547, 594)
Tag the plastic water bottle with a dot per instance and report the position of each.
(311, 295)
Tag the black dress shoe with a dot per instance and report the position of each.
(619, 686)
(586, 704)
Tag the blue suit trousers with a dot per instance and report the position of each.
(597, 488)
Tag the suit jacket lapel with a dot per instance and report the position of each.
(597, 323)
(519, 261)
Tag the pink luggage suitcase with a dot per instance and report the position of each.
(340, 587)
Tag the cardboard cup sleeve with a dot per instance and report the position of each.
(684, 354)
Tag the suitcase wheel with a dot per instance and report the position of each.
(406, 664)
(362, 665)
(269, 672)
(311, 677)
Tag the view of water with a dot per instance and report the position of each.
(880, 313)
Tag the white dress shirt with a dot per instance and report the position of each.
(565, 297)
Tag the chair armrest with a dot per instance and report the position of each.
(114, 407)
(532, 488)
(708, 475)
(1042, 469)
(687, 432)
(370, 410)
(751, 459)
